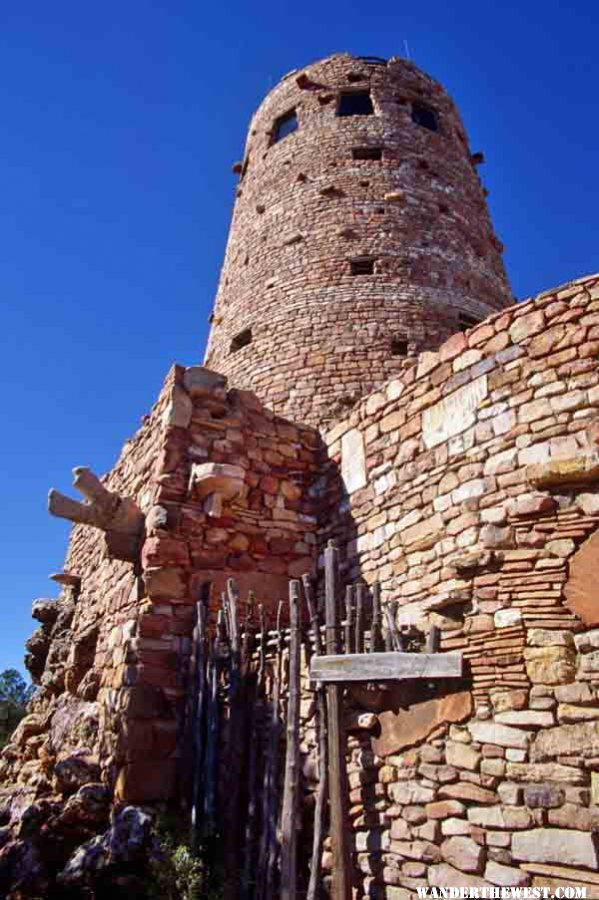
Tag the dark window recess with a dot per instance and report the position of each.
(399, 345)
(425, 116)
(241, 340)
(358, 103)
(363, 265)
(373, 60)
(284, 126)
(375, 153)
(466, 321)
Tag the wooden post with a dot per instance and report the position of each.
(212, 730)
(342, 861)
(321, 732)
(349, 618)
(199, 678)
(393, 639)
(292, 755)
(433, 640)
(236, 741)
(269, 843)
(254, 705)
(359, 618)
(375, 628)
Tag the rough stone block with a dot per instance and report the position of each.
(463, 853)
(454, 414)
(556, 845)
(495, 733)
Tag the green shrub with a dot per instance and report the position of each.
(178, 874)
(15, 694)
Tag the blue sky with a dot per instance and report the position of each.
(120, 124)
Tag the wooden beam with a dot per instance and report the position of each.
(385, 666)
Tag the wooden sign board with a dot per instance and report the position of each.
(394, 666)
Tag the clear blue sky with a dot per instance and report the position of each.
(120, 123)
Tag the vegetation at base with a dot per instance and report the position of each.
(15, 694)
(179, 874)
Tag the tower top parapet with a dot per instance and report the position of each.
(360, 237)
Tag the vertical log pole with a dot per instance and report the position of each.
(212, 732)
(199, 639)
(321, 730)
(236, 741)
(292, 756)
(254, 705)
(433, 640)
(359, 592)
(393, 638)
(271, 779)
(375, 628)
(349, 618)
(342, 862)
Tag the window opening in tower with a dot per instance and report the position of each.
(362, 265)
(356, 103)
(373, 153)
(425, 116)
(241, 340)
(284, 126)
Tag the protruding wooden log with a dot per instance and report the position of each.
(66, 508)
(91, 487)
(119, 517)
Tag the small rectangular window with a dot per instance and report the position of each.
(465, 321)
(374, 153)
(399, 345)
(356, 103)
(241, 340)
(362, 265)
(425, 116)
(284, 125)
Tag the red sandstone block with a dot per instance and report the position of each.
(161, 551)
(269, 484)
(453, 347)
(146, 781)
(154, 626)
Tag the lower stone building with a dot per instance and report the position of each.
(468, 488)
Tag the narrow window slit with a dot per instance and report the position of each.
(362, 265)
(399, 345)
(373, 153)
(284, 126)
(241, 340)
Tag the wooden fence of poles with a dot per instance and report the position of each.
(243, 726)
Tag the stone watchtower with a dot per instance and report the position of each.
(360, 237)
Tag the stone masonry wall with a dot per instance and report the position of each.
(320, 336)
(225, 487)
(473, 497)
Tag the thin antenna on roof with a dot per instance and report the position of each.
(406, 47)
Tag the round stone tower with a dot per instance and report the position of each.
(360, 237)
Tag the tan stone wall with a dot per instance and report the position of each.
(120, 656)
(478, 503)
(321, 338)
